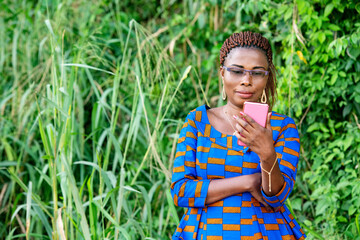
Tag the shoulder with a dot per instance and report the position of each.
(215, 112)
(280, 122)
(281, 119)
(197, 114)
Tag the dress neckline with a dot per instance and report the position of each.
(208, 131)
(213, 128)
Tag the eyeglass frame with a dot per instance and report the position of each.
(245, 70)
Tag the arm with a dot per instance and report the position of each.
(189, 191)
(282, 157)
(222, 188)
(287, 148)
(186, 189)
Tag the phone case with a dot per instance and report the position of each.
(258, 112)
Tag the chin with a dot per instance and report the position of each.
(239, 102)
(242, 101)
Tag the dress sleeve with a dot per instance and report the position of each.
(287, 147)
(187, 189)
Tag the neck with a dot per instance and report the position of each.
(233, 109)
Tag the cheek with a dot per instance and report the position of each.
(260, 87)
(229, 85)
(262, 84)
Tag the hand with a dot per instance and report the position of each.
(256, 137)
(255, 189)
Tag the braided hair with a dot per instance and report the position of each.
(253, 40)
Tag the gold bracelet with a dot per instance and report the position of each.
(269, 173)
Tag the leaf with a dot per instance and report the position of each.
(328, 9)
(338, 48)
(342, 185)
(201, 21)
(172, 207)
(321, 207)
(353, 52)
(347, 110)
(87, 67)
(322, 37)
(131, 189)
(296, 204)
(60, 225)
(171, 47)
(313, 127)
(357, 222)
(7, 164)
(323, 128)
(8, 149)
(342, 219)
(357, 7)
(352, 210)
(333, 78)
(301, 56)
(348, 142)
(288, 13)
(334, 27)
(330, 157)
(357, 99)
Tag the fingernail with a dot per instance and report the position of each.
(241, 113)
(235, 117)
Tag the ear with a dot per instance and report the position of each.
(222, 72)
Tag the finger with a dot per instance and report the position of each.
(240, 137)
(261, 200)
(277, 209)
(242, 130)
(268, 126)
(269, 209)
(267, 206)
(243, 123)
(249, 120)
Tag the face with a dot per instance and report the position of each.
(241, 88)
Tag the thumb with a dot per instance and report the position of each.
(268, 126)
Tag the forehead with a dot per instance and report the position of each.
(246, 57)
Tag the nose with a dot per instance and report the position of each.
(246, 79)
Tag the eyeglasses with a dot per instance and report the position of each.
(240, 73)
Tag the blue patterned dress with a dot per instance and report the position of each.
(203, 154)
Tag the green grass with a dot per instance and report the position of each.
(86, 155)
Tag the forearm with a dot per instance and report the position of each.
(222, 188)
(277, 179)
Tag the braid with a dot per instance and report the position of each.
(245, 39)
(252, 40)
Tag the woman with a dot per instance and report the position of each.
(231, 191)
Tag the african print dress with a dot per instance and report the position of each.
(203, 154)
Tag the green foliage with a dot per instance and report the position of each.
(91, 103)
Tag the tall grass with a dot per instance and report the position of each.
(86, 143)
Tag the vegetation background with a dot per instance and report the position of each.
(93, 94)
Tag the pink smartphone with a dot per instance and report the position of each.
(258, 112)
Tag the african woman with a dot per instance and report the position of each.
(232, 191)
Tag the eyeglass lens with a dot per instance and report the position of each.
(255, 74)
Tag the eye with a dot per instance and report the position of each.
(257, 73)
(238, 71)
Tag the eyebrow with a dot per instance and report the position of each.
(240, 66)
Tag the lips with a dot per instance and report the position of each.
(244, 94)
